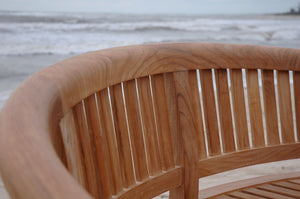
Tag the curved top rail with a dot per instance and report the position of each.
(29, 164)
(29, 117)
(108, 67)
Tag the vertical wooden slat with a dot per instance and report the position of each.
(135, 129)
(187, 128)
(162, 121)
(239, 109)
(73, 149)
(255, 110)
(210, 112)
(270, 107)
(197, 113)
(226, 124)
(177, 144)
(149, 127)
(122, 135)
(87, 150)
(59, 145)
(285, 107)
(100, 145)
(297, 101)
(107, 123)
(173, 117)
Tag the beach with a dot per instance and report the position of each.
(31, 41)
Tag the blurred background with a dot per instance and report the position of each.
(38, 33)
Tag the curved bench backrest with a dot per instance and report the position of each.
(138, 121)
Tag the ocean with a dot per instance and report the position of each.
(29, 41)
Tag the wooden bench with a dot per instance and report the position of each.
(134, 122)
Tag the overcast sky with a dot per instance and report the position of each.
(153, 6)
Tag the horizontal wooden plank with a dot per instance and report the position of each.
(249, 157)
(288, 185)
(109, 67)
(266, 193)
(225, 197)
(296, 181)
(244, 195)
(242, 184)
(280, 190)
(154, 186)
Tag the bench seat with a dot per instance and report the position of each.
(270, 186)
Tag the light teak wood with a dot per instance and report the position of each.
(134, 122)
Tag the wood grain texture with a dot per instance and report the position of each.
(176, 136)
(122, 135)
(86, 147)
(280, 190)
(109, 136)
(188, 131)
(40, 102)
(73, 148)
(36, 153)
(229, 188)
(285, 107)
(255, 110)
(295, 181)
(111, 66)
(241, 194)
(157, 185)
(172, 106)
(265, 193)
(149, 126)
(162, 121)
(135, 130)
(223, 97)
(210, 112)
(243, 158)
(105, 181)
(287, 184)
(224, 197)
(296, 76)
(270, 107)
(197, 113)
(239, 109)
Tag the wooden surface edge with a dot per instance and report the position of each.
(248, 157)
(241, 184)
(155, 185)
(29, 156)
(111, 66)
